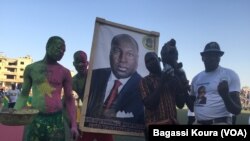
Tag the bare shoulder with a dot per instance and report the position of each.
(64, 69)
(35, 66)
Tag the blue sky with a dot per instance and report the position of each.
(26, 25)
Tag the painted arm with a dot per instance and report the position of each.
(70, 103)
(27, 83)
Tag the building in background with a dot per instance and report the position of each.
(11, 70)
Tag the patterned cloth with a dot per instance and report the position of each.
(166, 110)
(46, 127)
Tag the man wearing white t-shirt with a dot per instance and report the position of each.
(216, 90)
(12, 95)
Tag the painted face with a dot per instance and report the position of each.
(124, 59)
(81, 62)
(211, 60)
(56, 49)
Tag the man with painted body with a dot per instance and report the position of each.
(79, 81)
(47, 78)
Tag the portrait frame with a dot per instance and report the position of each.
(99, 58)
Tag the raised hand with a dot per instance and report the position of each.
(223, 88)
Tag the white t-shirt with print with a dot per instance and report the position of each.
(211, 105)
(13, 94)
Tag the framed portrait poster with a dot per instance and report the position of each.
(112, 103)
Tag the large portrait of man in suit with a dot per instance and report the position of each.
(114, 104)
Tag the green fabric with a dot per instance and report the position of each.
(46, 127)
(5, 102)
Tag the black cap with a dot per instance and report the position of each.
(212, 47)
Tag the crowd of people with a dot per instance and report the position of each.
(8, 98)
(212, 96)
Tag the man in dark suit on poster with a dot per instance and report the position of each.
(114, 92)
